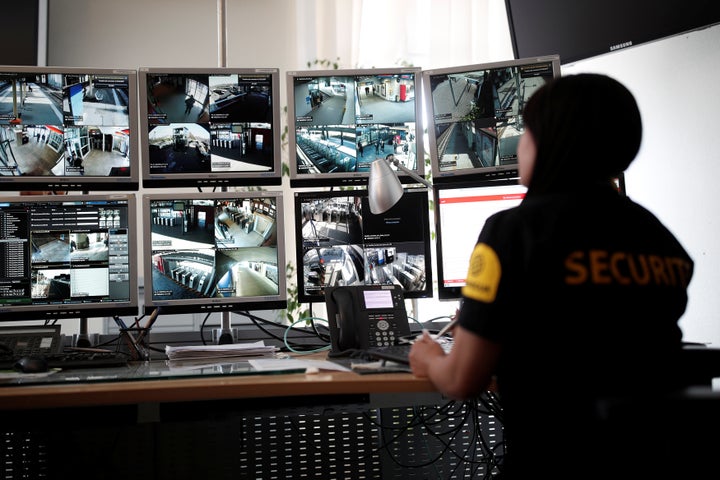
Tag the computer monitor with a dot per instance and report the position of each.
(67, 128)
(209, 127)
(25, 27)
(579, 30)
(340, 121)
(342, 243)
(475, 116)
(461, 209)
(214, 252)
(68, 256)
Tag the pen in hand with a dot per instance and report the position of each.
(451, 324)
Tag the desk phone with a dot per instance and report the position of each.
(364, 316)
(31, 339)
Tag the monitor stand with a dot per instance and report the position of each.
(83, 339)
(225, 335)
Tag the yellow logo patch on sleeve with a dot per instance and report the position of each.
(483, 275)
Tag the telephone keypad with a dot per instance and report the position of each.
(382, 329)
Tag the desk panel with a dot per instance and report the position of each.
(289, 426)
(109, 392)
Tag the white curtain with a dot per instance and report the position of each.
(380, 33)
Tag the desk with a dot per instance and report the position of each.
(324, 425)
(217, 387)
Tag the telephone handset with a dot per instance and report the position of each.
(364, 316)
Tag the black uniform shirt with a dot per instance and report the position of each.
(583, 290)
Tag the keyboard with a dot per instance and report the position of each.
(400, 353)
(393, 353)
(71, 360)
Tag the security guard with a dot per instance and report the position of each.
(573, 297)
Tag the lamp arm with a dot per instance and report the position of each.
(409, 172)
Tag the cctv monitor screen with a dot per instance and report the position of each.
(209, 127)
(475, 117)
(208, 252)
(68, 256)
(65, 128)
(342, 243)
(340, 121)
(461, 210)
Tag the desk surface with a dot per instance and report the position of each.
(110, 391)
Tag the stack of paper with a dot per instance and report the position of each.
(280, 364)
(234, 350)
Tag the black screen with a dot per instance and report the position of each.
(581, 29)
(20, 27)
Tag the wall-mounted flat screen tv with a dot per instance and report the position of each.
(579, 30)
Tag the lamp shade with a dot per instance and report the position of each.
(384, 187)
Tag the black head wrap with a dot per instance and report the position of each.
(587, 129)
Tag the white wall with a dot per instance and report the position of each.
(674, 80)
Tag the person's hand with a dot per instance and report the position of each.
(448, 330)
(422, 353)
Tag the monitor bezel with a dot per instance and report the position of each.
(301, 196)
(95, 309)
(496, 172)
(209, 179)
(447, 292)
(350, 178)
(214, 304)
(83, 183)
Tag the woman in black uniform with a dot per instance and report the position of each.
(573, 297)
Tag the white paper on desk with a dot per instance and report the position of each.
(254, 349)
(279, 364)
(7, 376)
